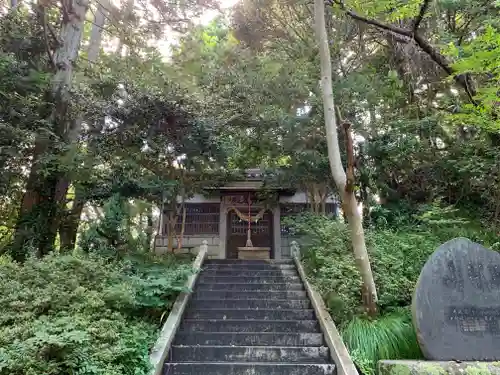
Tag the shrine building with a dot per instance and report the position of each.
(221, 217)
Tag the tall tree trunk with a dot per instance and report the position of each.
(344, 185)
(69, 225)
(180, 238)
(180, 210)
(172, 220)
(45, 194)
(323, 198)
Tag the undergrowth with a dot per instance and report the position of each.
(94, 312)
(391, 336)
(397, 256)
(399, 245)
(84, 314)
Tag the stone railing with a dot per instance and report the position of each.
(295, 249)
(338, 350)
(169, 329)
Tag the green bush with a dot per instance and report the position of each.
(330, 264)
(389, 337)
(397, 257)
(83, 314)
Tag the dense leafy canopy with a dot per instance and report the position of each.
(100, 126)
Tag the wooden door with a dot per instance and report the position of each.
(262, 233)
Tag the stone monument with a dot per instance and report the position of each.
(456, 305)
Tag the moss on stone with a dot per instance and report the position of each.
(395, 367)
(481, 369)
(430, 369)
(399, 369)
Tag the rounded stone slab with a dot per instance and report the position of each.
(456, 305)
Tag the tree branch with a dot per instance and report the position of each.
(442, 61)
(43, 16)
(380, 25)
(421, 14)
(430, 50)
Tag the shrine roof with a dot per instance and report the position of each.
(251, 179)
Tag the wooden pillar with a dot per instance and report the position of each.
(222, 229)
(277, 232)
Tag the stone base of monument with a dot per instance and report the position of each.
(254, 253)
(410, 367)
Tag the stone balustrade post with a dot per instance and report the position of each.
(295, 249)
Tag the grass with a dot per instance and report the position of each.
(391, 336)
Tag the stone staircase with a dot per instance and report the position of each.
(249, 318)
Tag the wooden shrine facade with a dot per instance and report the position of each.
(221, 218)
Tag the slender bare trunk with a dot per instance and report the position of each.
(324, 196)
(172, 219)
(317, 200)
(339, 175)
(180, 239)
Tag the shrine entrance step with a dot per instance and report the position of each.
(254, 253)
(249, 317)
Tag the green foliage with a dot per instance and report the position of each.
(329, 262)
(399, 244)
(442, 221)
(249, 88)
(397, 256)
(82, 314)
(159, 283)
(482, 57)
(110, 235)
(391, 336)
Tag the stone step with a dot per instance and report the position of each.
(250, 304)
(249, 314)
(255, 326)
(248, 261)
(249, 354)
(246, 339)
(249, 279)
(247, 369)
(249, 273)
(228, 294)
(201, 287)
(257, 267)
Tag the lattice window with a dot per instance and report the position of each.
(201, 218)
(331, 209)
